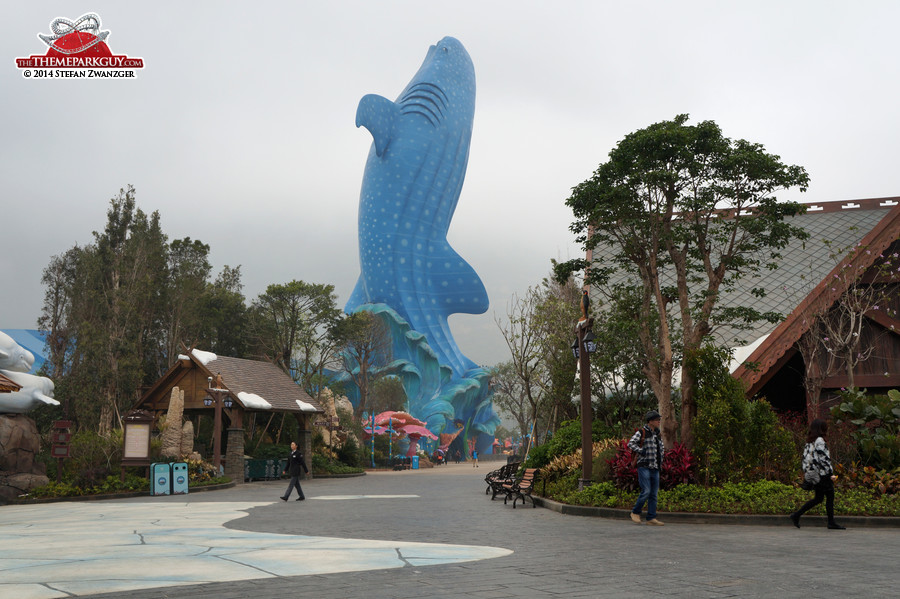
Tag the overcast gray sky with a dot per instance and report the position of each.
(240, 129)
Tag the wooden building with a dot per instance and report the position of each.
(857, 235)
(252, 386)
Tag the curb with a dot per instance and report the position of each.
(700, 518)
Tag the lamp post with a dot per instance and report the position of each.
(217, 397)
(583, 347)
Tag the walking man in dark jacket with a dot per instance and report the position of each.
(295, 463)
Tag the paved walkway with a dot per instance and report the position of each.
(427, 533)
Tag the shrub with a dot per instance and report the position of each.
(270, 451)
(93, 457)
(565, 441)
(760, 497)
(877, 421)
(677, 468)
(855, 476)
(736, 439)
(348, 453)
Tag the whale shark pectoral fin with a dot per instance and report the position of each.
(378, 115)
(460, 287)
(358, 297)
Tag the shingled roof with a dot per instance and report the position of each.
(8, 385)
(252, 380)
(255, 385)
(824, 293)
(832, 226)
(798, 280)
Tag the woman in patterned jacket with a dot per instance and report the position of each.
(817, 458)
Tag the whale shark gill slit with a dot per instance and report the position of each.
(426, 90)
(423, 99)
(424, 111)
(426, 86)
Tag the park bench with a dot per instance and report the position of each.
(521, 488)
(495, 479)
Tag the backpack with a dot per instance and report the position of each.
(636, 455)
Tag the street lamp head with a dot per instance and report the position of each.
(575, 348)
(590, 343)
(207, 401)
(228, 402)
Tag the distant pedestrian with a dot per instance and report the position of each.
(295, 463)
(458, 456)
(474, 458)
(648, 445)
(817, 459)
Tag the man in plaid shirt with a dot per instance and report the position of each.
(648, 444)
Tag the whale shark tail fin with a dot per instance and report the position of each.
(357, 298)
(378, 115)
(458, 283)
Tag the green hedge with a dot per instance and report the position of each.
(762, 497)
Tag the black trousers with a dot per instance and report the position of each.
(295, 482)
(824, 490)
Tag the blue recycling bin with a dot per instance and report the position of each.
(160, 479)
(179, 478)
(415, 462)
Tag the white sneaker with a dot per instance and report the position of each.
(635, 518)
(655, 522)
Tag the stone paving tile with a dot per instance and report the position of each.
(553, 555)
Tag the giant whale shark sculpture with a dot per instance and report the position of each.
(411, 184)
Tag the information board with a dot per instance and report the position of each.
(137, 441)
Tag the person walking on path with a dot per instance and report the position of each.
(295, 463)
(647, 444)
(817, 459)
(474, 458)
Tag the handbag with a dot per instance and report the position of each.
(810, 479)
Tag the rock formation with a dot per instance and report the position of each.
(173, 432)
(19, 469)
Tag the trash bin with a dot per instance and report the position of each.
(160, 479)
(415, 462)
(179, 478)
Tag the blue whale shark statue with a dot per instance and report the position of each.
(411, 184)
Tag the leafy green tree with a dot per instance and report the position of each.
(538, 331)
(113, 307)
(509, 396)
(293, 325)
(225, 316)
(116, 310)
(366, 351)
(387, 394)
(737, 440)
(617, 367)
(188, 271)
(682, 213)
